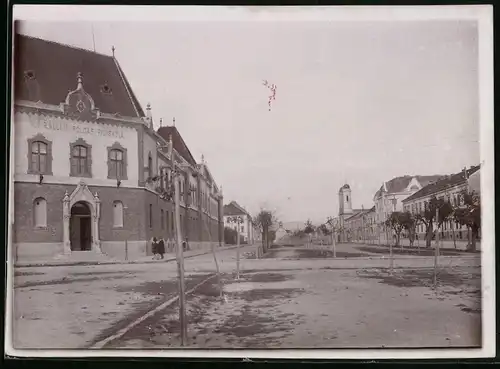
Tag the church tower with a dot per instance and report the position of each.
(345, 200)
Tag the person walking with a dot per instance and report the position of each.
(154, 248)
(161, 248)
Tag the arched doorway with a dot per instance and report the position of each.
(80, 227)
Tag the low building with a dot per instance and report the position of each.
(246, 228)
(90, 170)
(449, 188)
(361, 226)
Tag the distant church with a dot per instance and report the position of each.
(345, 210)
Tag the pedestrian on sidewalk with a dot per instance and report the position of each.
(161, 248)
(154, 248)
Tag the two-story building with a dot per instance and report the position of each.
(389, 198)
(87, 161)
(449, 188)
(246, 228)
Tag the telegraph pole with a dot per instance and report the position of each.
(238, 219)
(180, 251)
(436, 249)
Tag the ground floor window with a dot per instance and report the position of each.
(117, 214)
(40, 212)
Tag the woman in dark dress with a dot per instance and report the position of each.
(154, 247)
(161, 248)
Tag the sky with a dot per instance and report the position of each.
(356, 102)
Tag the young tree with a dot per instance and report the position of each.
(428, 216)
(411, 227)
(325, 230)
(469, 214)
(398, 221)
(265, 221)
(309, 230)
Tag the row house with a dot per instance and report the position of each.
(88, 165)
(361, 227)
(448, 188)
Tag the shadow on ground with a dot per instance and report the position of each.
(463, 282)
(243, 318)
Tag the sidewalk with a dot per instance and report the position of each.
(143, 260)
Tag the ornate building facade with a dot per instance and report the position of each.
(89, 168)
(247, 226)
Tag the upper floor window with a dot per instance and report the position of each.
(81, 159)
(39, 155)
(117, 162)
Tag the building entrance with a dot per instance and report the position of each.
(80, 227)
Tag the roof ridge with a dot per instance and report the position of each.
(63, 44)
(129, 90)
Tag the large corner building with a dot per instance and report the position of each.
(89, 166)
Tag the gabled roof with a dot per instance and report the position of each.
(359, 212)
(233, 208)
(45, 71)
(179, 144)
(399, 184)
(441, 185)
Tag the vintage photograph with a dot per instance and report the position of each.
(249, 183)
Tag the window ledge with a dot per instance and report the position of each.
(41, 228)
(81, 175)
(34, 172)
(118, 227)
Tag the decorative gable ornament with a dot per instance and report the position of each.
(79, 104)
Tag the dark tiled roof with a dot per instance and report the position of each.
(399, 184)
(446, 182)
(55, 67)
(179, 144)
(234, 209)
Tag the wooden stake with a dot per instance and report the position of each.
(238, 248)
(180, 264)
(391, 258)
(436, 249)
(217, 270)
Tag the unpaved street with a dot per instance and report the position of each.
(290, 298)
(325, 308)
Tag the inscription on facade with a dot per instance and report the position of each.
(77, 128)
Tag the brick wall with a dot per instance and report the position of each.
(24, 195)
(136, 225)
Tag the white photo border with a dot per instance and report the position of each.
(483, 14)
